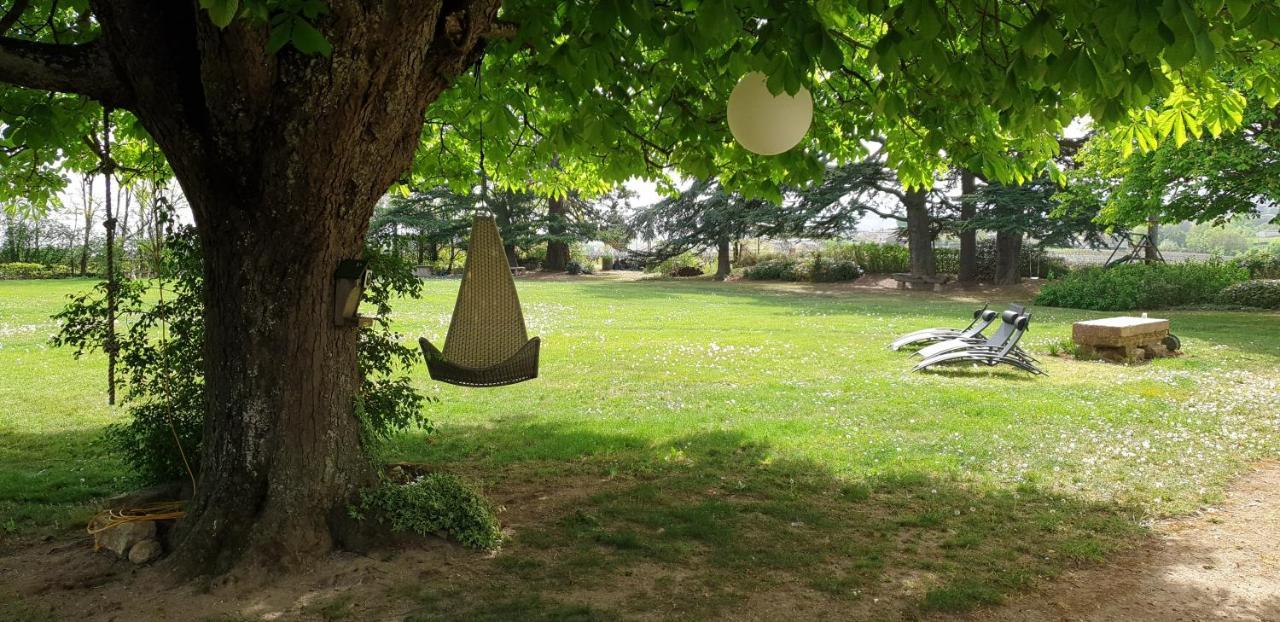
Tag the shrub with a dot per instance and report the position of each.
(776, 269)
(1261, 263)
(1263, 294)
(671, 264)
(686, 271)
(441, 266)
(164, 379)
(890, 258)
(948, 262)
(830, 270)
(1141, 286)
(23, 270)
(871, 257)
(435, 503)
(818, 268)
(573, 267)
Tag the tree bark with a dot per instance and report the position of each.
(1150, 252)
(968, 271)
(557, 249)
(282, 158)
(112, 274)
(1008, 252)
(86, 193)
(723, 265)
(920, 233)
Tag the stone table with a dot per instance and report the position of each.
(1123, 339)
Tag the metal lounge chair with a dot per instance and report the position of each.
(991, 355)
(999, 337)
(982, 318)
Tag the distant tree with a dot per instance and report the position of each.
(707, 216)
(870, 186)
(440, 217)
(1227, 239)
(1211, 180)
(1015, 213)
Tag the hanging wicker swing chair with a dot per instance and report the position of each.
(487, 345)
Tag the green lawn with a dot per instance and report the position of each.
(716, 446)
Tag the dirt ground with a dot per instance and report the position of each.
(1221, 564)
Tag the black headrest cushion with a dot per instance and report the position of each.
(1009, 317)
(988, 315)
(1022, 322)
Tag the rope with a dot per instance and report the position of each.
(107, 519)
(168, 391)
(484, 175)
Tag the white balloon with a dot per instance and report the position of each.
(764, 123)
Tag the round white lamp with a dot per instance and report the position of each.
(765, 123)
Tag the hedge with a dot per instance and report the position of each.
(22, 270)
(1260, 293)
(1142, 286)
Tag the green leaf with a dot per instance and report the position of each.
(929, 22)
(308, 40)
(1239, 10)
(280, 34)
(1205, 49)
(221, 12)
(831, 55)
(1179, 54)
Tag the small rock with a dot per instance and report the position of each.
(121, 538)
(145, 551)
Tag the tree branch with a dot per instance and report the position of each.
(12, 15)
(82, 69)
(889, 215)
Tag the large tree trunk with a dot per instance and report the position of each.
(920, 233)
(557, 249)
(968, 272)
(282, 159)
(1008, 251)
(723, 265)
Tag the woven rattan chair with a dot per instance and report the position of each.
(487, 345)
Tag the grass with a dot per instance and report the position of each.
(712, 447)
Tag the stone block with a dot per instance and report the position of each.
(145, 551)
(120, 538)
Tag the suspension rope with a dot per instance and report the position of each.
(484, 175)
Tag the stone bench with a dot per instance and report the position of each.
(1123, 339)
(911, 281)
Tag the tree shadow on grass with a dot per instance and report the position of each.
(712, 524)
(47, 480)
(979, 371)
